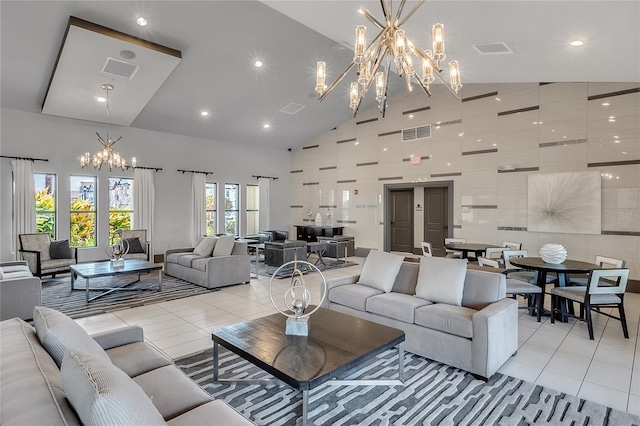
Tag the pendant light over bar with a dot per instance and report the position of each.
(391, 41)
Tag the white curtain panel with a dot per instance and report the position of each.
(24, 201)
(198, 203)
(263, 203)
(144, 197)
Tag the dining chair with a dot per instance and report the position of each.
(495, 253)
(453, 253)
(515, 287)
(519, 273)
(604, 263)
(512, 245)
(596, 296)
(427, 249)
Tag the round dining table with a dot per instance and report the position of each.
(562, 271)
(477, 248)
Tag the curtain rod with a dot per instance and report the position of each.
(157, 169)
(266, 177)
(195, 171)
(24, 158)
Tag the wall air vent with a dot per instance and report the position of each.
(292, 108)
(497, 48)
(120, 68)
(416, 133)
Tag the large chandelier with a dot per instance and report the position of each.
(107, 154)
(391, 42)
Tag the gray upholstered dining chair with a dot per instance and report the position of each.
(515, 287)
(605, 290)
(604, 263)
(46, 257)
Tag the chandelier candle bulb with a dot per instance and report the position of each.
(437, 33)
(353, 95)
(361, 44)
(454, 76)
(321, 75)
(379, 85)
(363, 73)
(399, 47)
(427, 70)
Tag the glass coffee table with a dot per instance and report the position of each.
(336, 344)
(107, 269)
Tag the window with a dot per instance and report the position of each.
(210, 201)
(253, 205)
(83, 210)
(120, 204)
(231, 192)
(45, 188)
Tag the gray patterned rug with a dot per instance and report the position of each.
(56, 293)
(434, 394)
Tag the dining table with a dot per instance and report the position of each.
(562, 271)
(477, 248)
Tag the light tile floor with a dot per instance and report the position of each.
(560, 356)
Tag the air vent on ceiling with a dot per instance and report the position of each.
(292, 108)
(416, 133)
(119, 68)
(497, 48)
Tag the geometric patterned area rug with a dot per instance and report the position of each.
(57, 294)
(434, 394)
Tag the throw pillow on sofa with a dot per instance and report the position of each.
(441, 280)
(224, 246)
(102, 394)
(58, 333)
(205, 247)
(60, 250)
(380, 270)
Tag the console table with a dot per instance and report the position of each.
(311, 233)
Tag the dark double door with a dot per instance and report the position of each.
(402, 224)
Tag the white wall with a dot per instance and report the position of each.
(62, 140)
(533, 128)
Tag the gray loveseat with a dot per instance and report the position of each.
(34, 391)
(20, 291)
(479, 336)
(209, 268)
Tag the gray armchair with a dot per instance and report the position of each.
(141, 235)
(46, 257)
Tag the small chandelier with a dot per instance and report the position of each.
(391, 42)
(107, 154)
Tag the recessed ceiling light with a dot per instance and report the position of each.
(141, 21)
(616, 141)
(357, 143)
(258, 64)
(204, 113)
(577, 43)
(101, 99)
(266, 125)
(624, 152)
(384, 149)
(495, 144)
(448, 164)
(498, 99)
(461, 134)
(410, 115)
(479, 140)
(605, 104)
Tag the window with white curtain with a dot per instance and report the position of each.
(231, 208)
(253, 209)
(210, 202)
(45, 191)
(83, 210)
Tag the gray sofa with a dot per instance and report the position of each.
(478, 336)
(35, 391)
(209, 271)
(20, 291)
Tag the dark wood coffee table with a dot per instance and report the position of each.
(336, 344)
(106, 269)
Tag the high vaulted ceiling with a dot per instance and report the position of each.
(221, 40)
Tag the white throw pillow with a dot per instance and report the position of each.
(380, 270)
(58, 334)
(102, 394)
(205, 247)
(441, 280)
(224, 246)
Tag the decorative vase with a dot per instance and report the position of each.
(553, 253)
(318, 219)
